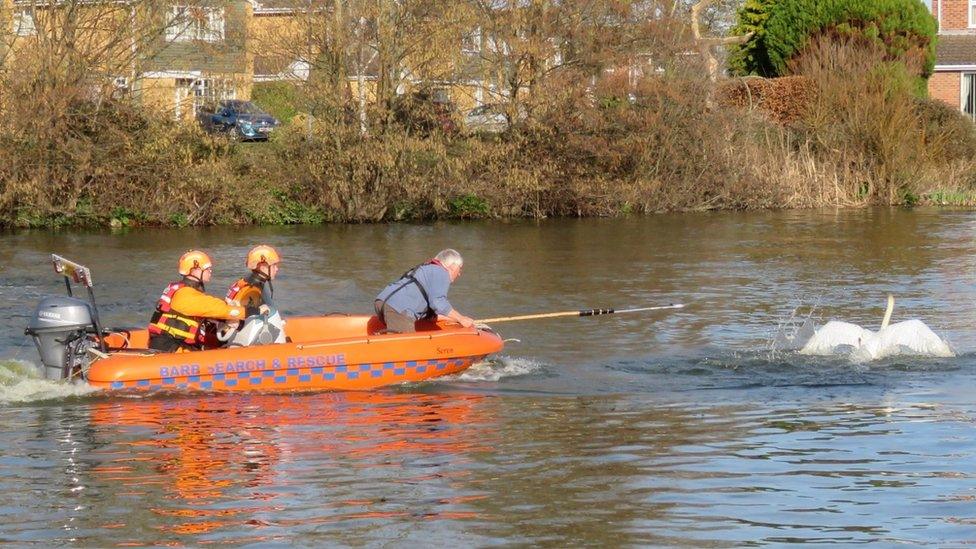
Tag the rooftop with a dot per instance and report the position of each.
(956, 49)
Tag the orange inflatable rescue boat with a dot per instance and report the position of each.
(336, 352)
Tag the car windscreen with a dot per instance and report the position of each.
(245, 107)
(249, 108)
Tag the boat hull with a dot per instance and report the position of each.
(326, 353)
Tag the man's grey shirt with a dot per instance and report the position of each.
(410, 302)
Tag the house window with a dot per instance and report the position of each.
(189, 23)
(471, 42)
(299, 69)
(24, 23)
(184, 90)
(494, 45)
(441, 95)
(969, 95)
(199, 92)
(557, 55)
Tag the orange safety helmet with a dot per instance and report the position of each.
(261, 254)
(193, 259)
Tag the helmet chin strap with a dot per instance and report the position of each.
(196, 280)
(263, 276)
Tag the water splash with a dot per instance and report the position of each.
(21, 382)
(501, 367)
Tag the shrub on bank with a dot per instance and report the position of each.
(904, 29)
(109, 157)
(858, 134)
(837, 135)
(784, 100)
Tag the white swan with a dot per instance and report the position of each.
(911, 338)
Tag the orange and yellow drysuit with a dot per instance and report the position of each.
(178, 322)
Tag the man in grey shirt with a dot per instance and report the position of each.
(422, 293)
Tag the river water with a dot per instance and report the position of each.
(673, 428)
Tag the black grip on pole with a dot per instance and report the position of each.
(594, 312)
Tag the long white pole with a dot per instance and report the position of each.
(584, 312)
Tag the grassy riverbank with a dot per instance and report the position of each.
(833, 137)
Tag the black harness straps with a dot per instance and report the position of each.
(408, 279)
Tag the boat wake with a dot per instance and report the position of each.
(500, 367)
(776, 372)
(20, 382)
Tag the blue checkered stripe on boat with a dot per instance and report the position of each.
(267, 379)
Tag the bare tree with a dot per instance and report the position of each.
(384, 47)
(528, 43)
(707, 45)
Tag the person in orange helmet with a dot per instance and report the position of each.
(179, 322)
(255, 292)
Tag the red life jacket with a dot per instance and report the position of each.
(249, 291)
(236, 289)
(167, 321)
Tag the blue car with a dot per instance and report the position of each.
(238, 119)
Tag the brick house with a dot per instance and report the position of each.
(200, 58)
(275, 35)
(280, 45)
(194, 51)
(279, 42)
(954, 79)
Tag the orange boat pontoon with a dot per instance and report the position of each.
(336, 352)
(323, 353)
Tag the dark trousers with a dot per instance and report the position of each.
(396, 322)
(168, 344)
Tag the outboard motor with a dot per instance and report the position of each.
(60, 328)
(66, 330)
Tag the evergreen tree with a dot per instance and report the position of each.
(782, 28)
(751, 57)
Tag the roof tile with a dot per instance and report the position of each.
(956, 49)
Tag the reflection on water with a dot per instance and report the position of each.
(221, 449)
(676, 429)
(232, 469)
(432, 468)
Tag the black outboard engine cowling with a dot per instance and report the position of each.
(59, 328)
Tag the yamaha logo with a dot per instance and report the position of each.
(47, 314)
